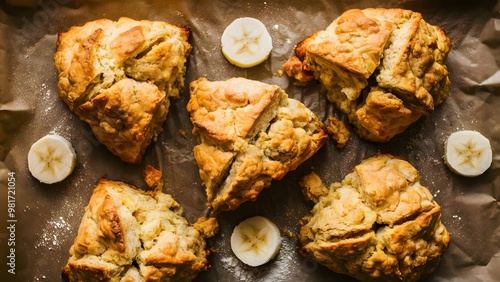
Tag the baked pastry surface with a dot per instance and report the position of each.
(249, 133)
(119, 76)
(378, 224)
(127, 234)
(376, 58)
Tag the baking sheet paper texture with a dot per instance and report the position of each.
(47, 216)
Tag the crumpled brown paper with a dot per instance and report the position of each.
(46, 217)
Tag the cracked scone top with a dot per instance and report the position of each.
(249, 133)
(127, 234)
(119, 76)
(379, 224)
(384, 68)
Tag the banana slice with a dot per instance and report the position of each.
(51, 159)
(468, 153)
(256, 240)
(246, 42)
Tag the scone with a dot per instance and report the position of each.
(119, 76)
(127, 234)
(384, 68)
(378, 224)
(249, 133)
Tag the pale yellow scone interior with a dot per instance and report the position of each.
(119, 76)
(378, 224)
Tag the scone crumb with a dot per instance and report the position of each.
(294, 68)
(280, 73)
(338, 131)
(152, 176)
(287, 232)
(182, 133)
(313, 187)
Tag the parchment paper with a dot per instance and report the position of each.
(46, 217)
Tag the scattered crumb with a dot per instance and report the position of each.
(280, 73)
(287, 232)
(338, 131)
(152, 176)
(182, 133)
(294, 68)
(313, 187)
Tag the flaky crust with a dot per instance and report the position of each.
(393, 51)
(127, 234)
(379, 224)
(119, 76)
(249, 134)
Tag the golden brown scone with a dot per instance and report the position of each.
(119, 76)
(127, 234)
(391, 51)
(249, 134)
(379, 224)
